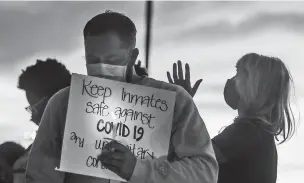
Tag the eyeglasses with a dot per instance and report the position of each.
(33, 109)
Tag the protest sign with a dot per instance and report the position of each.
(141, 115)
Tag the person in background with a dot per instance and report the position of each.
(40, 82)
(110, 40)
(9, 153)
(246, 150)
(6, 172)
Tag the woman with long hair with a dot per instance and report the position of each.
(246, 149)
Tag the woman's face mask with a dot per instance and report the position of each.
(230, 94)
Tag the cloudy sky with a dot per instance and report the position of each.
(210, 36)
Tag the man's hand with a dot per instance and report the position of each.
(185, 83)
(119, 159)
(141, 71)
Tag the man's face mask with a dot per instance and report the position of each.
(109, 71)
(230, 94)
(115, 72)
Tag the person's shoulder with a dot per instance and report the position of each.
(248, 128)
(60, 98)
(243, 124)
(57, 109)
(247, 123)
(62, 94)
(180, 91)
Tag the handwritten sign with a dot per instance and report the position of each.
(142, 117)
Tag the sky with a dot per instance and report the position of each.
(210, 36)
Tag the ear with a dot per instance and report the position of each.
(134, 56)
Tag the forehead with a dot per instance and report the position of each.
(104, 43)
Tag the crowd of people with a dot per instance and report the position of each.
(244, 152)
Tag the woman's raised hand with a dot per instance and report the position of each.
(178, 79)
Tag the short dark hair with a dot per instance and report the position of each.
(112, 21)
(11, 151)
(6, 172)
(45, 78)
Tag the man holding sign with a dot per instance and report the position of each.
(110, 53)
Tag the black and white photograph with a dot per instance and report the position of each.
(151, 91)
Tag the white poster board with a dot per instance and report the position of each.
(143, 115)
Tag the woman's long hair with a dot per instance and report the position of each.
(264, 85)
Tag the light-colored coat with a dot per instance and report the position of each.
(191, 156)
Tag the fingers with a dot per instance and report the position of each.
(187, 74)
(180, 70)
(115, 169)
(139, 63)
(111, 159)
(117, 146)
(112, 162)
(112, 155)
(137, 66)
(174, 73)
(169, 77)
(195, 87)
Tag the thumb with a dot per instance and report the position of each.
(196, 85)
